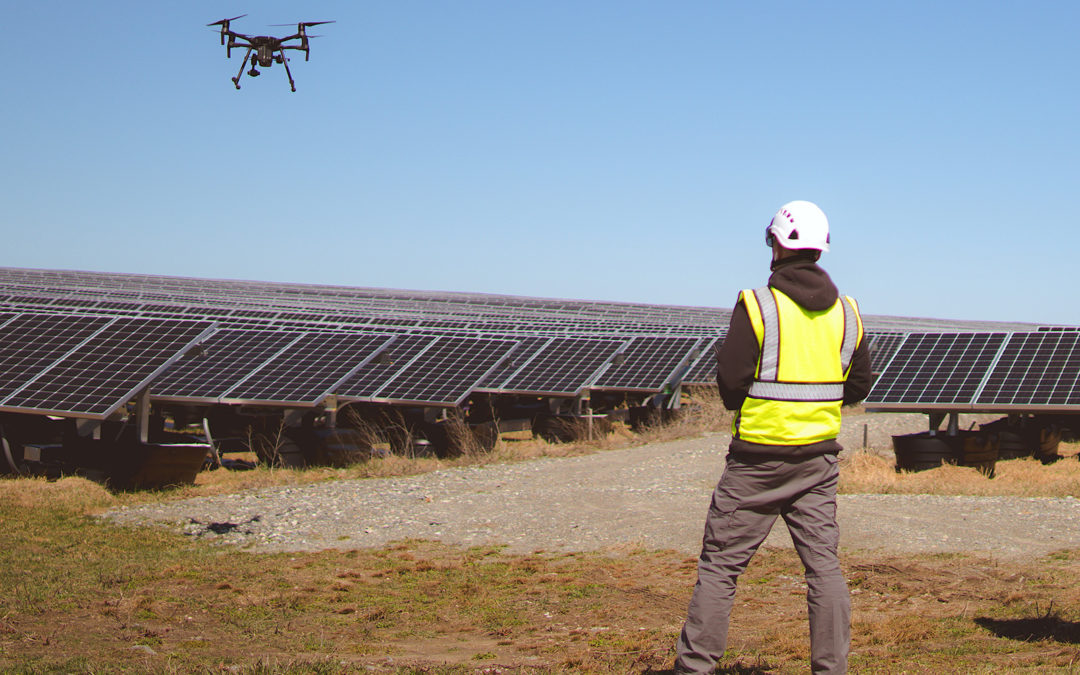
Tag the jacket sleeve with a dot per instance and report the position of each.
(736, 359)
(859, 380)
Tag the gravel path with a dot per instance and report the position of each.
(654, 496)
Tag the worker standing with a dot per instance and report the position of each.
(794, 354)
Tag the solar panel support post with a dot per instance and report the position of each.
(936, 418)
(588, 416)
(954, 424)
(142, 414)
(330, 405)
(293, 417)
(87, 428)
(210, 441)
(673, 399)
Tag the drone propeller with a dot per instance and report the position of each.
(225, 22)
(304, 23)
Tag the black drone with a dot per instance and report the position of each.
(268, 49)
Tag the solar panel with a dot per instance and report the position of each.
(703, 370)
(369, 379)
(309, 369)
(529, 345)
(941, 370)
(882, 347)
(647, 364)
(564, 367)
(446, 372)
(229, 356)
(107, 368)
(31, 343)
(1035, 369)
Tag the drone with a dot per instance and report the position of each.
(268, 49)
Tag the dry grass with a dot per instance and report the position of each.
(867, 472)
(870, 471)
(702, 413)
(80, 595)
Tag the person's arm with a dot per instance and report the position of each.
(859, 380)
(736, 359)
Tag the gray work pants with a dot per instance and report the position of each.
(745, 504)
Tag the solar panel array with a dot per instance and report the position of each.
(439, 347)
(992, 372)
(292, 345)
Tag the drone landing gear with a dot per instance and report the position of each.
(285, 62)
(236, 80)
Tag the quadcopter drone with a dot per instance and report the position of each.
(268, 49)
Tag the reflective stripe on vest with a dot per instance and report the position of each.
(797, 391)
(770, 342)
(851, 334)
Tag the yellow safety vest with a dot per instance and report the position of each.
(804, 357)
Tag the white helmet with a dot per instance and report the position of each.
(799, 225)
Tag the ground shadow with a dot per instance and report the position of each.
(1046, 627)
(736, 669)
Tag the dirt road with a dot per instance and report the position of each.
(654, 496)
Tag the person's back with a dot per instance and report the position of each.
(793, 355)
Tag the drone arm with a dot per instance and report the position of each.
(233, 37)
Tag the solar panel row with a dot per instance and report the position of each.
(293, 345)
(236, 296)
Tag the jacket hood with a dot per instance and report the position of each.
(805, 283)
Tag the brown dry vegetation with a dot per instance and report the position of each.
(872, 473)
(79, 595)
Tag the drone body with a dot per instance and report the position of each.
(267, 49)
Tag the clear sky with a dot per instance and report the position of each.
(624, 150)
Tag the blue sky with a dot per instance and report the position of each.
(629, 150)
